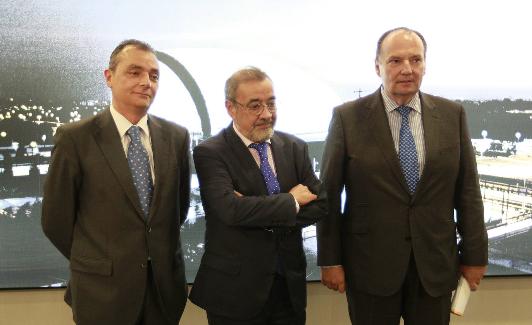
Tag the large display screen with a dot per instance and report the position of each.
(319, 54)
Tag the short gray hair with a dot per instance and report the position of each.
(243, 75)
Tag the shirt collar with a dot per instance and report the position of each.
(390, 104)
(122, 123)
(246, 141)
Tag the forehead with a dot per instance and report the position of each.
(402, 43)
(255, 89)
(132, 56)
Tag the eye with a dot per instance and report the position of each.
(154, 77)
(254, 106)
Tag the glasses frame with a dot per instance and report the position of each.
(271, 108)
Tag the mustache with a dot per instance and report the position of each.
(269, 122)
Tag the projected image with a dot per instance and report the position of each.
(318, 57)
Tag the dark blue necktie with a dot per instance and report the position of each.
(407, 151)
(272, 184)
(139, 163)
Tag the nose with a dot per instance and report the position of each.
(265, 113)
(407, 68)
(145, 80)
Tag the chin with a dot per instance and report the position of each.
(260, 136)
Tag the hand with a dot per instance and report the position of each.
(473, 275)
(302, 194)
(333, 277)
(238, 194)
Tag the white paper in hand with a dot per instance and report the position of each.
(460, 297)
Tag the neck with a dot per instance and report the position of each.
(132, 114)
(401, 100)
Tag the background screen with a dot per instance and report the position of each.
(319, 54)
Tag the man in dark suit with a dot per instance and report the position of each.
(115, 196)
(258, 189)
(406, 163)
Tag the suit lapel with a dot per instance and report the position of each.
(379, 126)
(161, 157)
(281, 163)
(249, 170)
(107, 137)
(431, 124)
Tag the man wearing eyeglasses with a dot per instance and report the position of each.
(258, 190)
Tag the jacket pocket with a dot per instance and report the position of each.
(221, 264)
(90, 265)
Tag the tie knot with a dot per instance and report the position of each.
(404, 111)
(134, 133)
(261, 147)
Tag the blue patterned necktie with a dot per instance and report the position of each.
(407, 150)
(272, 184)
(139, 163)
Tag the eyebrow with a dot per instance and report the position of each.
(258, 100)
(138, 67)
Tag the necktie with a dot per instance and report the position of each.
(139, 163)
(272, 184)
(407, 151)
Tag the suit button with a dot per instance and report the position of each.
(143, 265)
(148, 229)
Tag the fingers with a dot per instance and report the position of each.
(473, 284)
(302, 194)
(333, 278)
(238, 194)
(341, 287)
(336, 286)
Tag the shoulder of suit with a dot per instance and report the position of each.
(288, 137)
(214, 141)
(166, 124)
(80, 126)
(440, 102)
(359, 103)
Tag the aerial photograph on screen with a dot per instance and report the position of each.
(318, 55)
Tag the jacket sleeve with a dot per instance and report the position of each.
(473, 246)
(61, 192)
(332, 176)
(184, 181)
(317, 209)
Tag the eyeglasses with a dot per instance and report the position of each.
(256, 107)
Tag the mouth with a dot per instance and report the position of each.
(405, 81)
(264, 125)
(143, 95)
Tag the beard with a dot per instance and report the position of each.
(261, 135)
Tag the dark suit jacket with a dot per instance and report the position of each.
(381, 223)
(238, 267)
(92, 214)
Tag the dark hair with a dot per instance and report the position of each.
(243, 75)
(408, 30)
(113, 60)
